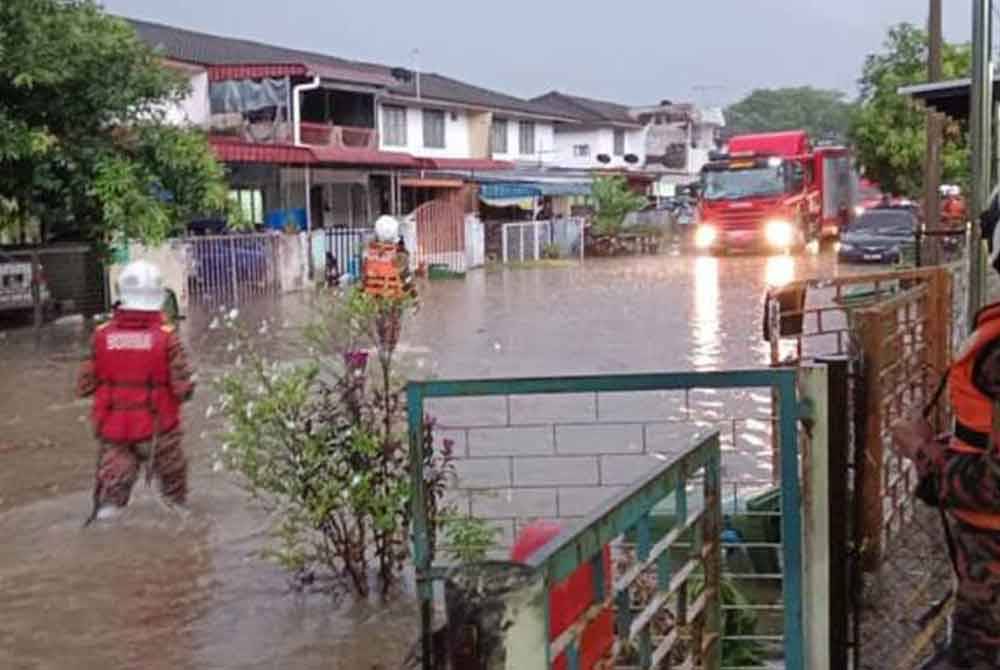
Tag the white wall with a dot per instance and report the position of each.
(544, 141)
(195, 108)
(456, 133)
(600, 141)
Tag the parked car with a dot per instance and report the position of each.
(16, 283)
(884, 235)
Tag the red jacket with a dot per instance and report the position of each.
(134, 397)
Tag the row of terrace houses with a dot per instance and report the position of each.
(322, 142)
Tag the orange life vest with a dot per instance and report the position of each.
(131, 362)
(972, 408)
(381, 273)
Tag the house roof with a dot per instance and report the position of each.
(587, 110)
(227, 57)
(949, 97)
(214, 50)
(439, 87)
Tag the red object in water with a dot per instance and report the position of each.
(356, 360)
(570, 599)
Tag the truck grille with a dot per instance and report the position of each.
(735, 219)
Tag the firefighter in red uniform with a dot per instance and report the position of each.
(138, 375)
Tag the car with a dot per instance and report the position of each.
(16, 282)
(882, 235)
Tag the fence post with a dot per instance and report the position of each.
(837, 442)
(868, 459)
(232, 263)
(536, 229)
(36, 291)
(503, 236)
(816, 563)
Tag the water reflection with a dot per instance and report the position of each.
(706, 352)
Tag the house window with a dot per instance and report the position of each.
(433, 128)
(498, 136)
(581, 150)
(251, 204)
(394, 126)
(619, 142)
(526, 138)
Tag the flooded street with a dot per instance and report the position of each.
(158, 591)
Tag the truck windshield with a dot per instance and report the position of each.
(734, 184)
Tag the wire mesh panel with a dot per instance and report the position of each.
(526, 454)
(233, 268)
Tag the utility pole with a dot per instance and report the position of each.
(935, 132)
(980, 138)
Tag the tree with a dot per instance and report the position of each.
(84, 149)
(889, 130)
(825, 114)
(614, 201)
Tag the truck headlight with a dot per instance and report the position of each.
(779, 234)
(705, 236)
(859, 210)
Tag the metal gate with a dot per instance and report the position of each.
(896, 332)
(612, 458)
(527, 241)
(233, 268)
(348, 247)
(440, 226)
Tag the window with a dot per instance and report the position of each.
(251, 204)
(498, 136)
(619, 142)
(394, 126)
(581, 150)
(526, 138)
(433, 128)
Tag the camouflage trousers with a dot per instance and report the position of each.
(118, 469)
(975, 624)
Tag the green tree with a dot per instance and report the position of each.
(824, 113)
(84, 149)
(889, 130)
(614, 201)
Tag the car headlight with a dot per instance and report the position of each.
(705, 236)
(845, 246)
(779, 233)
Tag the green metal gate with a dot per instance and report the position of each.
(629, 512)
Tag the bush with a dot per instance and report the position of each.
(551, 251)
(324, 447)
(614, 202)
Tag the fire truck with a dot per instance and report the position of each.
(775, 192)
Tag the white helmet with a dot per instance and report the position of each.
(140, 287)
(386, 229)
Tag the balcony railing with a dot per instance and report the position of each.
(348, 137)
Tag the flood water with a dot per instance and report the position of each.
(158, 591)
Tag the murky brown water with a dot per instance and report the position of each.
(156, 591)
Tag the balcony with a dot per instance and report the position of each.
(343, 137)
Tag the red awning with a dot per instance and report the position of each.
(237, 151)
(417, 182)
(352, 156)
(256, 71)
(466, 164)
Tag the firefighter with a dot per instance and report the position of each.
(386, 268)
(965, 471)
(953, 207)
(138, 375)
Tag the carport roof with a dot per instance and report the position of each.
(949, 97)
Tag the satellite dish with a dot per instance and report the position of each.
(631, 159)
(603, 158)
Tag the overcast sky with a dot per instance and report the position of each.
(633, 52)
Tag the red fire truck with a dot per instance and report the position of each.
(774, 191)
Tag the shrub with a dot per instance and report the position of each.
(322, 443)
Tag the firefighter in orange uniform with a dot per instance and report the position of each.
(965, 471)
(139, 376)
(386, 269)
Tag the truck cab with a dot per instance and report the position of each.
(773, 192)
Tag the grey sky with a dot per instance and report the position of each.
(635, 52)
